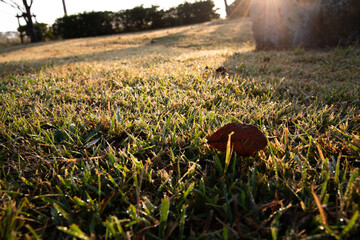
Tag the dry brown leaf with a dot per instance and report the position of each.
(222, 70)
(246, 139)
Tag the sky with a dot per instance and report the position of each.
(47, 11)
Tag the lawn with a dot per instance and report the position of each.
(106, 138)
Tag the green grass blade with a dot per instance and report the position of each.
(350, 225)
(75, 231)
(164, 212)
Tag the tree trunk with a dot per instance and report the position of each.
(64, 5)
(29, 22)
(227, 9)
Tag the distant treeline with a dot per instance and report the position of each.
(89, 24)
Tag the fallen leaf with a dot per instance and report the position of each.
(207, 71)
(245, 140)
(266, 59)
(207, 68)
(222, 70)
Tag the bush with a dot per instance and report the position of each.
(84, 25)
(136, 19)
(190, 13)
(43, 31)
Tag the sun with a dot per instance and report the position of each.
(268, 7)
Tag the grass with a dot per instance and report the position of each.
(5, 42)
(105, 138)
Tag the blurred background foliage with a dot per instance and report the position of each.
(89, 24)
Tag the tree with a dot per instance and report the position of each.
(337, 23)
(227, 9)
(64, 5)
(239, 8)
(25, 9)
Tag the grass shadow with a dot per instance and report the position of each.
(303, 75)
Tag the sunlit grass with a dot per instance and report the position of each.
(106, 138)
